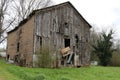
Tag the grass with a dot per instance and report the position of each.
(12, 72)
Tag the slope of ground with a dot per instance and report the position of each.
(12, 72)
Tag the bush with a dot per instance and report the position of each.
(43, 57)
(115, 61)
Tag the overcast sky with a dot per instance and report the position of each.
(105, 14)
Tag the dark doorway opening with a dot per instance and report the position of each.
(8, 56)
(67, 42)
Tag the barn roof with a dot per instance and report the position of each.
(47, 8)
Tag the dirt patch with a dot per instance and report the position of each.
(1, 79)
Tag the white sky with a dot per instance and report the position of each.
(105, 14)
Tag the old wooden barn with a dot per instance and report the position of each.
(61, 28)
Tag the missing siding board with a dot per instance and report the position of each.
(76, 40)
(66, 30)
(40, 41)
(18, 46)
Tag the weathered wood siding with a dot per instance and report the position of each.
(82, 29)
(51, 24)
(59, 23)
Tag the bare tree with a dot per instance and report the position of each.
(14, 11)
(94, 36)
(5, 19)
(3, 7)
(24, 7)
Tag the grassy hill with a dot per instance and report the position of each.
(12, 72)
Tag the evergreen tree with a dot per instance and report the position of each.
(103, 48)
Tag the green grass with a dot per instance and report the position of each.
(12, 72)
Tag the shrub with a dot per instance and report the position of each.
(43, 57)
(115, 61)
